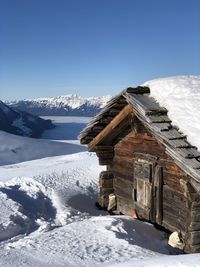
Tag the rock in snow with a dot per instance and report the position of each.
(22, 123)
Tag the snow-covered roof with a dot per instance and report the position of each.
(173, 97)
(181, 97)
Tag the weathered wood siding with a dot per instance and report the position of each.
(131, 136)
(123, 166)
(193, 234)
(175, 203)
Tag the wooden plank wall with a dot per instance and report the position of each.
(123, 164)
(175, 202)
(180, 202)
(193, 234)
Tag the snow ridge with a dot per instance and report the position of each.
(28, 205)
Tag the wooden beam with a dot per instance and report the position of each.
(138, 90)
(110, 127)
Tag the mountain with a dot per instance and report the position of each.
(68, 105)
(22, 123)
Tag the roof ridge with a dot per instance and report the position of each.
(137, 90)
(155, 118)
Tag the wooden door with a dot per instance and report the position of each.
(147, 192)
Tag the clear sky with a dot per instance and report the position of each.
(94, 47)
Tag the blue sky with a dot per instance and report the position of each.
(94, 47)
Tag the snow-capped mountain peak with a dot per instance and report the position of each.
(71, 105)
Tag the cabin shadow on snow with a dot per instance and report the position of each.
(85, 203)
(144, 235)
(135, 232)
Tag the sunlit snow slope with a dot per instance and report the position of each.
(48, 215)
(49, 218)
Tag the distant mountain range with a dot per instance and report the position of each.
(69, 105)
(22, 123)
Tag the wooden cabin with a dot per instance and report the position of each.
(152, 170)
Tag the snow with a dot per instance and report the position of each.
(76, 233)
(19, 123)
(15, 149)
(63, 227)
(73, 101)
(181, 96)
(62, 105)
(29, 205)
(164, 261)
(10, 211)
(48, 190)
(4, 108)
(48, 215)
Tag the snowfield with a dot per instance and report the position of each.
(48, 190)
(50, 217)
(48, 213)
(15, 149)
